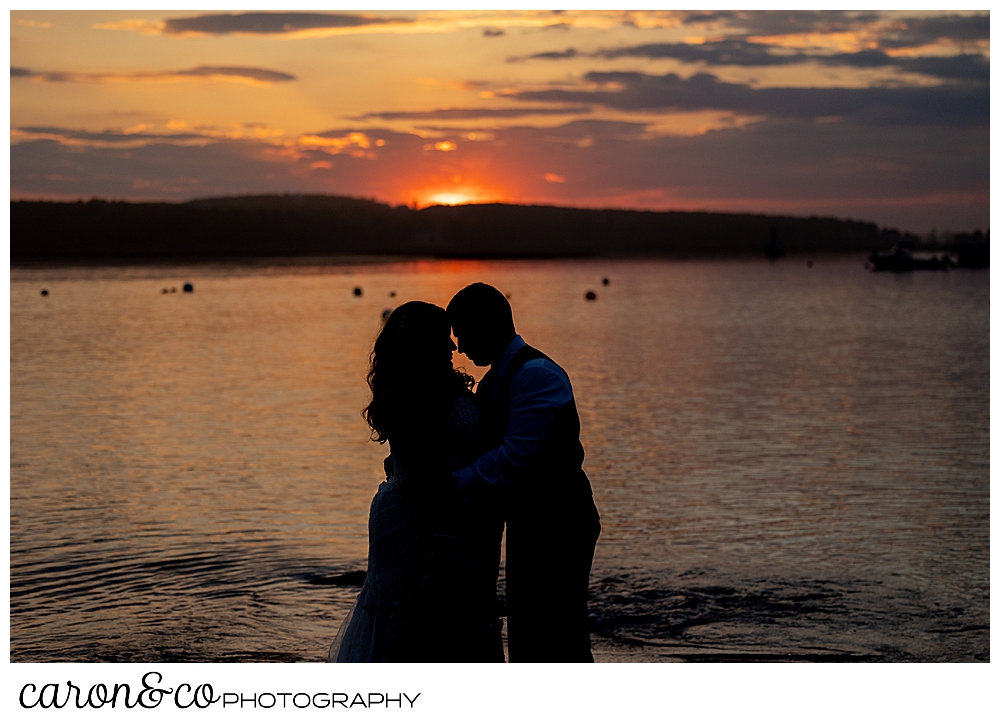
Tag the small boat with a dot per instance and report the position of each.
(899, 258)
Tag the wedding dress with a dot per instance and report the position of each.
(430, 591)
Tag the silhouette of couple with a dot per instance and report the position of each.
(461, 466)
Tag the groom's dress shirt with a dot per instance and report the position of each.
(537, 390)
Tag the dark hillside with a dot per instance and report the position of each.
(255, 226)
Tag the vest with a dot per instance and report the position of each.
(554, 477)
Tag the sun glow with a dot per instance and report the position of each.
(450, 199)
(454, 196)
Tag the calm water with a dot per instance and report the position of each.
(790, 462)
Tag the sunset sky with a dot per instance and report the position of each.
(879, 116)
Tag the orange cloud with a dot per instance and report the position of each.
(353, 144)
(847, 42)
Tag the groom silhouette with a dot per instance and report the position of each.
(536, 458)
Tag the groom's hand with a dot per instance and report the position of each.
(466, 481)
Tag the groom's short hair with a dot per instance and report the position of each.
(482, 307)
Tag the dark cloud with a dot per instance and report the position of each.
(744, 53)
(52, 77)
(707, 16)
(954, 105)
(791, 159)
(967, 67)
(260, 75)
(916, 32)
(733, 51)
(784, 22)
(552, 55)
(474, 113)
(106, 136)
(956, 67)
(893, 31)
(267, 23)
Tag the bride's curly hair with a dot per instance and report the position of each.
(411, 377)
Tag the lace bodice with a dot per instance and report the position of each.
(463, 442)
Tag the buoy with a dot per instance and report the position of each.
(605, 281)
(590, 296)
(357, 291)
(165, 290)
(385, 313)
(188, 288)
(809, 264)
(392, 294)
(173, 289)
(45, 292)
(508, 296)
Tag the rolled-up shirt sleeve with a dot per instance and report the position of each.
(538, 390)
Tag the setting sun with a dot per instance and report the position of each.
(438, 196)
(450, 199)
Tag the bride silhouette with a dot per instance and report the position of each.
(433, 560)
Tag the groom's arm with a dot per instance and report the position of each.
(538, 390)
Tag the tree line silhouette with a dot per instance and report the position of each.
(290, 225)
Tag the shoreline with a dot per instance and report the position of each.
(386, 259)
